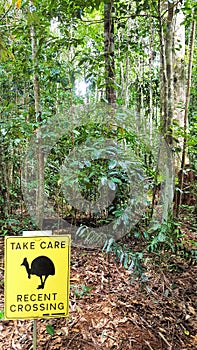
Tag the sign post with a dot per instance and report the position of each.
(31, 234)
(37, 277)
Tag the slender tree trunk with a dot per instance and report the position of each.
(163, 71)
(40, 156)
(179, 81)
(5, 185)
(151, 86)
(187, 99)
(167, 97)
(127, 82)
(121, 81)
(169, 70)
(109, 54)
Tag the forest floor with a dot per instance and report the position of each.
(113, 313)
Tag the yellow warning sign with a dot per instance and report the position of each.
(37, 271)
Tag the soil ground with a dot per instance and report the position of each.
(113, 313)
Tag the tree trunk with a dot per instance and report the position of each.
(109, 54)
(40, 156)
(169, 71)
(128, 68)
(167, 98)
(185, 119)
(151, 85)
(179, 81)
(163, 72)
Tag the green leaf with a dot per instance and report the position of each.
(112, 185)
(109, 245)
(186, 332)
(50, 329)
(116, 180)
(112, 164)
(81, 230)
(1, 314)
(104, 181)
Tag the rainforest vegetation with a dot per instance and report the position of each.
(98, 124)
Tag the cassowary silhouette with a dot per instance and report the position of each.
(42, 267)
